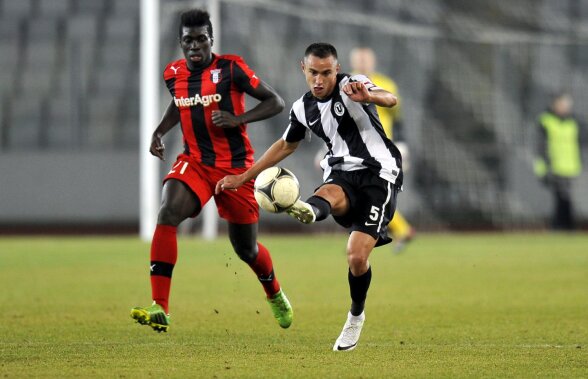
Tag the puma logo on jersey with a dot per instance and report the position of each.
(175, 69)
(205, 100)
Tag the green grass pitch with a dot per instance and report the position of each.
(480, 305)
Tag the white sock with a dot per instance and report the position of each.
(355, 319)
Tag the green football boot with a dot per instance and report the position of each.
(153, 315)
(281, 309)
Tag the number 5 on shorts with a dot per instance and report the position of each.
(374, 213)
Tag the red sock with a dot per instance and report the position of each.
(264, 269)
(164, 254)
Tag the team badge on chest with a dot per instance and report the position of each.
(339, 110)
(216, 75)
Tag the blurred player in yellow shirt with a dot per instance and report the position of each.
(363, 61)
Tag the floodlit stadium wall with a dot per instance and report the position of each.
(473, 76)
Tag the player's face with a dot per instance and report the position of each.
(563, 105)
(321, 75)
(363, 61)
(196, 45)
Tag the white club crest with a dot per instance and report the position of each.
(216, 76)
(339, 110)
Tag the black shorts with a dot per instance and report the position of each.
(372, 202)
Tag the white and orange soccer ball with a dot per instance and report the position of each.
(276, 189)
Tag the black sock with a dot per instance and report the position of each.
(358, 287)
(322, 208)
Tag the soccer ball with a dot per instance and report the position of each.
(276, 189)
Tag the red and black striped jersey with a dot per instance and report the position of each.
(221, 86)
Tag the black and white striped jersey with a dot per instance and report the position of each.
(352, 131)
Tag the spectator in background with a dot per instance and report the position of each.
(363, 61)
(558, 161)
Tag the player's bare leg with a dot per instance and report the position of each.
(359, 247)
(331, 199)
(178, 203)
(244, 240)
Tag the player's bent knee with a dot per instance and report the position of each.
(247, 252)
(169, 216)
(358, 263)
(243, 237)
(336, 197)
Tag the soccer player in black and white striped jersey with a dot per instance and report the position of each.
(362, 169)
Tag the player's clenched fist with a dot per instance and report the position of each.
(225, 119)
(357, 91)
(157, 147)
(229, 182)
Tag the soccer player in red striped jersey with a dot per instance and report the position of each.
(208, 100)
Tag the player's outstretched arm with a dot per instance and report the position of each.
(358, 92)
(276, 153)
(270, 105)
(171, 117)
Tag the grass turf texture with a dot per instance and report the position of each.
(451, 306)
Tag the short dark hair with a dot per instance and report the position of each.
(560, 94)
(321, 50)
(195, 18)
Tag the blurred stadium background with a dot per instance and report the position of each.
(473, 76)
